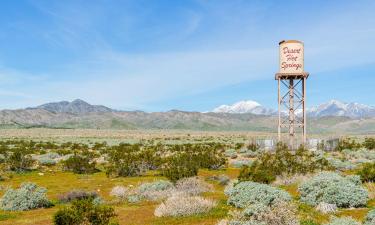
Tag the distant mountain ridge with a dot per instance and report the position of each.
(337, 108)
(80, 114)
(331, 108)
(77, 106)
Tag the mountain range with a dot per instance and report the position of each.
(331, 117)
(331, 108)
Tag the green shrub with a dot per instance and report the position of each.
(332, 188)
(179, 166)
(367, 172)
(19, 161)
(127, 160)
(257, 173)
(84, 211)
(248, 193)
(252, 147)
(369, 143)
(28, 196)
(81, 164)
(347, 143)
(283, 162)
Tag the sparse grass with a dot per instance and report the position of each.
(140, 213)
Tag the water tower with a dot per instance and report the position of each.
(291, 80)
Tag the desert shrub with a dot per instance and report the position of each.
(370, 218)
(291, 179)
(77, 195)
(179, 166)
(222, 179)
(159, 185)
(184, 206)
(332, 188)
(28, 196)
(369, 143)
(283, 162)
(252, 147)
(241, 163)
(257, 173)
(249, 154)
(361, 154)
(367, 172)
(47, 159)
(119, 192)
(343, 221)
(239, 145)
(192, 186)
(81, 164)
(19, 161)
(341, 165)
(127, 160)
(347, 143)
(84, 211)
(281, 213)
(208, 155)
(210, 158)
(231, 153)
(156, 190)
(247, 193)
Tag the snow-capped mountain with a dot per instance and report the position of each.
(331, 108)
(337, 108)
(244, 107)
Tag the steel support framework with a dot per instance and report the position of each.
(292, 106)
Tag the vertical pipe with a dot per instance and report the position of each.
(291, 113)
(279, 108)
(304, 109)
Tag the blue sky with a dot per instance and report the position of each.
(189, 55)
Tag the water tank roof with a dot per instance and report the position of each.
(290, 41)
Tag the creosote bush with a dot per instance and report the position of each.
(333, 188)
(282, 162)
(369, 143)
(19, 161)
(126, 160)
(348, 143)
(28, 196)
(80, 163)
(179, 166)
(367, 172)
(85, 211)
